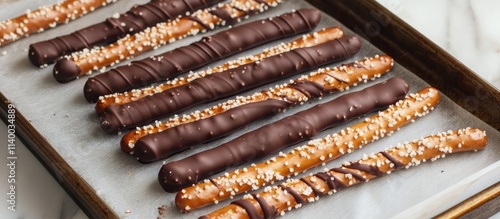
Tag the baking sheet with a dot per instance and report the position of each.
(61, 114)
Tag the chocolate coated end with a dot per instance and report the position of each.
(351, 44)
(145, 153)
(166, 177)
(109, 122)
(66, 71)
(43, 53)
(310, 14)
(93, 89)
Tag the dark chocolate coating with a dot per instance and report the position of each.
(220, 85)
(136, 19)
(273, 137)
(188, 135)
(199, 54)
(222, 124)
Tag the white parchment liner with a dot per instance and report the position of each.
(69, 123)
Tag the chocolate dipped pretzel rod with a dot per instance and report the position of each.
(275, 201)
(232, 115)
(46, 17)
(306, 40)
(196, 55)
(136, 19)
(223, 84)
(270, 138)
(86, 61)
(315, 153)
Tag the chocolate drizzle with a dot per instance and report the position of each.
(198, 54)
(347, 171)
(221, 13)
(365, 168)
(332, 181)
(199, 21)
(226, 83)
(310, 88)
(396, 162)
(334, 184)
(262, 2)
(314, 189)
(266, 140)
(249, 208)
(214, 183)
(298, 198)
(135, 20)
(269, 211)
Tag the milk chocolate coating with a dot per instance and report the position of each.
(135, 20)
(271, 138)
(226, 83)
(198, 54)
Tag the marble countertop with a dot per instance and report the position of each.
(467, 29)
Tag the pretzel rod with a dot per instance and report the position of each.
(136, 19)
(86, 61)
(46, 17)
(306, 40)
(208, 49)
(222, 117)
(273, 137)
(316, 152)
(275, 201)
(223, 84)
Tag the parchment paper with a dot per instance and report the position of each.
(69, 123)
